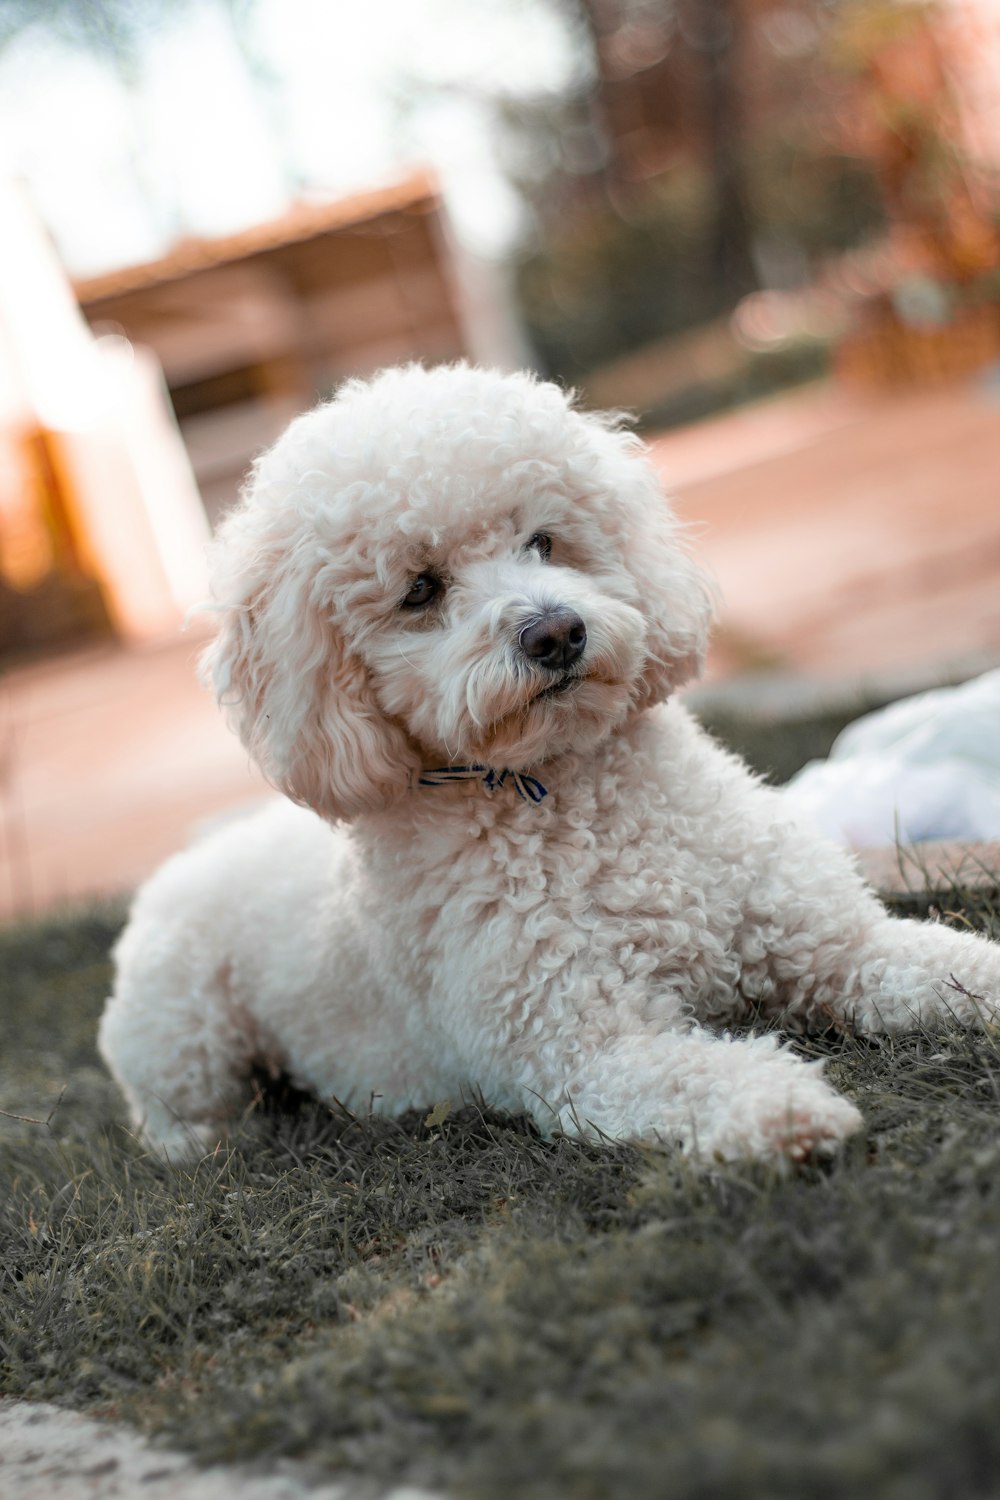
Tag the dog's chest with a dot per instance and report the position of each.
(600, 891)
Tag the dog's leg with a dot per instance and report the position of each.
(716, 1097)
(904, 974)
(181, 1066)
(819, 947)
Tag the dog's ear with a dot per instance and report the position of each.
(675, 595)
(301, 705)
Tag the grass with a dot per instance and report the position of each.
(448, 1300)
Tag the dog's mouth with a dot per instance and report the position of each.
(573, 703)
(562, 685)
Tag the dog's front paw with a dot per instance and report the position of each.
(718, 1098)
(802, 1129)
(782, 1111)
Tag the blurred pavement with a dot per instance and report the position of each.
(850, 537)
(111, 758)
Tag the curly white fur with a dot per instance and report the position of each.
(579, 958)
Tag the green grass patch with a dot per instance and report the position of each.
(462, 1305)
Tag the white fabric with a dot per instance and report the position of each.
(927, 767)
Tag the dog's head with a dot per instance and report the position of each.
(445, 566)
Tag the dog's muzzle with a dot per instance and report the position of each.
(555, 639)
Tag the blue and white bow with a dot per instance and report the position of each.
(528, 788)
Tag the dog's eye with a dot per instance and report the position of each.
(541, 543)
(423, 590)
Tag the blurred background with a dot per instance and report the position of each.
(768, 228)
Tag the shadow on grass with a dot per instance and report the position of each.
(462, 1305)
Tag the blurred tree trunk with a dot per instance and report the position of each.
(715, 30)
(591, 20)
(714, 35)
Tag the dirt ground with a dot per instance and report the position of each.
(50, 1454)
(849, 538)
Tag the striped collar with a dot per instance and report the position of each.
(528, 788)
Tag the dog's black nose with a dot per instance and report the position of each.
(554, 639)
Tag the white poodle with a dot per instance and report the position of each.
(453, 614)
